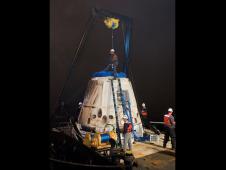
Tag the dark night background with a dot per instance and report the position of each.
(152, 50)
(199, 81)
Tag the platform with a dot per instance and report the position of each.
(153, 156)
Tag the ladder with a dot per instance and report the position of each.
(126, 107)
(123, 100)
(116, 114)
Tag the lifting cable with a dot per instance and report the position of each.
(90, 23)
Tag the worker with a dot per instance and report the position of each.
(169, 123)
(144, 115)
(114, 62)
(144, 109)
(127, 131)
(78, 108)
(80, 105)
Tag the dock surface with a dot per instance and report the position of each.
(153, 156)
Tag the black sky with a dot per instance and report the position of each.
(152, 51)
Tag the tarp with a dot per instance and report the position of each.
(108, 73)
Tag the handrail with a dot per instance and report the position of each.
(156, 122)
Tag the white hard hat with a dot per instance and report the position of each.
(112, 50)
(143, 104)
(170, 110)
(125, 117)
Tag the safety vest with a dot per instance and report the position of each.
(144, 113)
(167, 120)
(128, 128)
